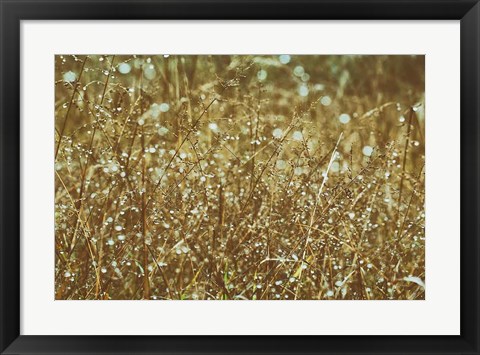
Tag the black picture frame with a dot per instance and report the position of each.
(14, 11)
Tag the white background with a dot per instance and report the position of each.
(438, 314)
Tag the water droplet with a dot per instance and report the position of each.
(284, 58)
(281, 164)
(326, 100)
(298, 71)
(335, 167)
(297, 135)
(277, 133)
(164, 107)
(162, 131)
(262, 75)
(303, 90)
(344, 118)
(124, 68)
(367, 151)
(213, 126)
(149, 72)
(69, 76)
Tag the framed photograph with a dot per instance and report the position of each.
(239, 177)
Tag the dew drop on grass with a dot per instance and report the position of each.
(330, 293)
(69, 76)
(113, 168)
(335, 167)
(281, 164)
(164, 107)
(297, 135)
(118, 228)
(326, 101)
(124, 68)
(284, 58)
(344, 118)
(149, 72)
(277, 133)
(162, 131)
(298, 71)
(67, 274)
(303, 90)
(298, 170)
(103, 270)
(367, 150)
(262, 75)
(213, 126)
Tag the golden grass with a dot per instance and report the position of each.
(239, 177)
